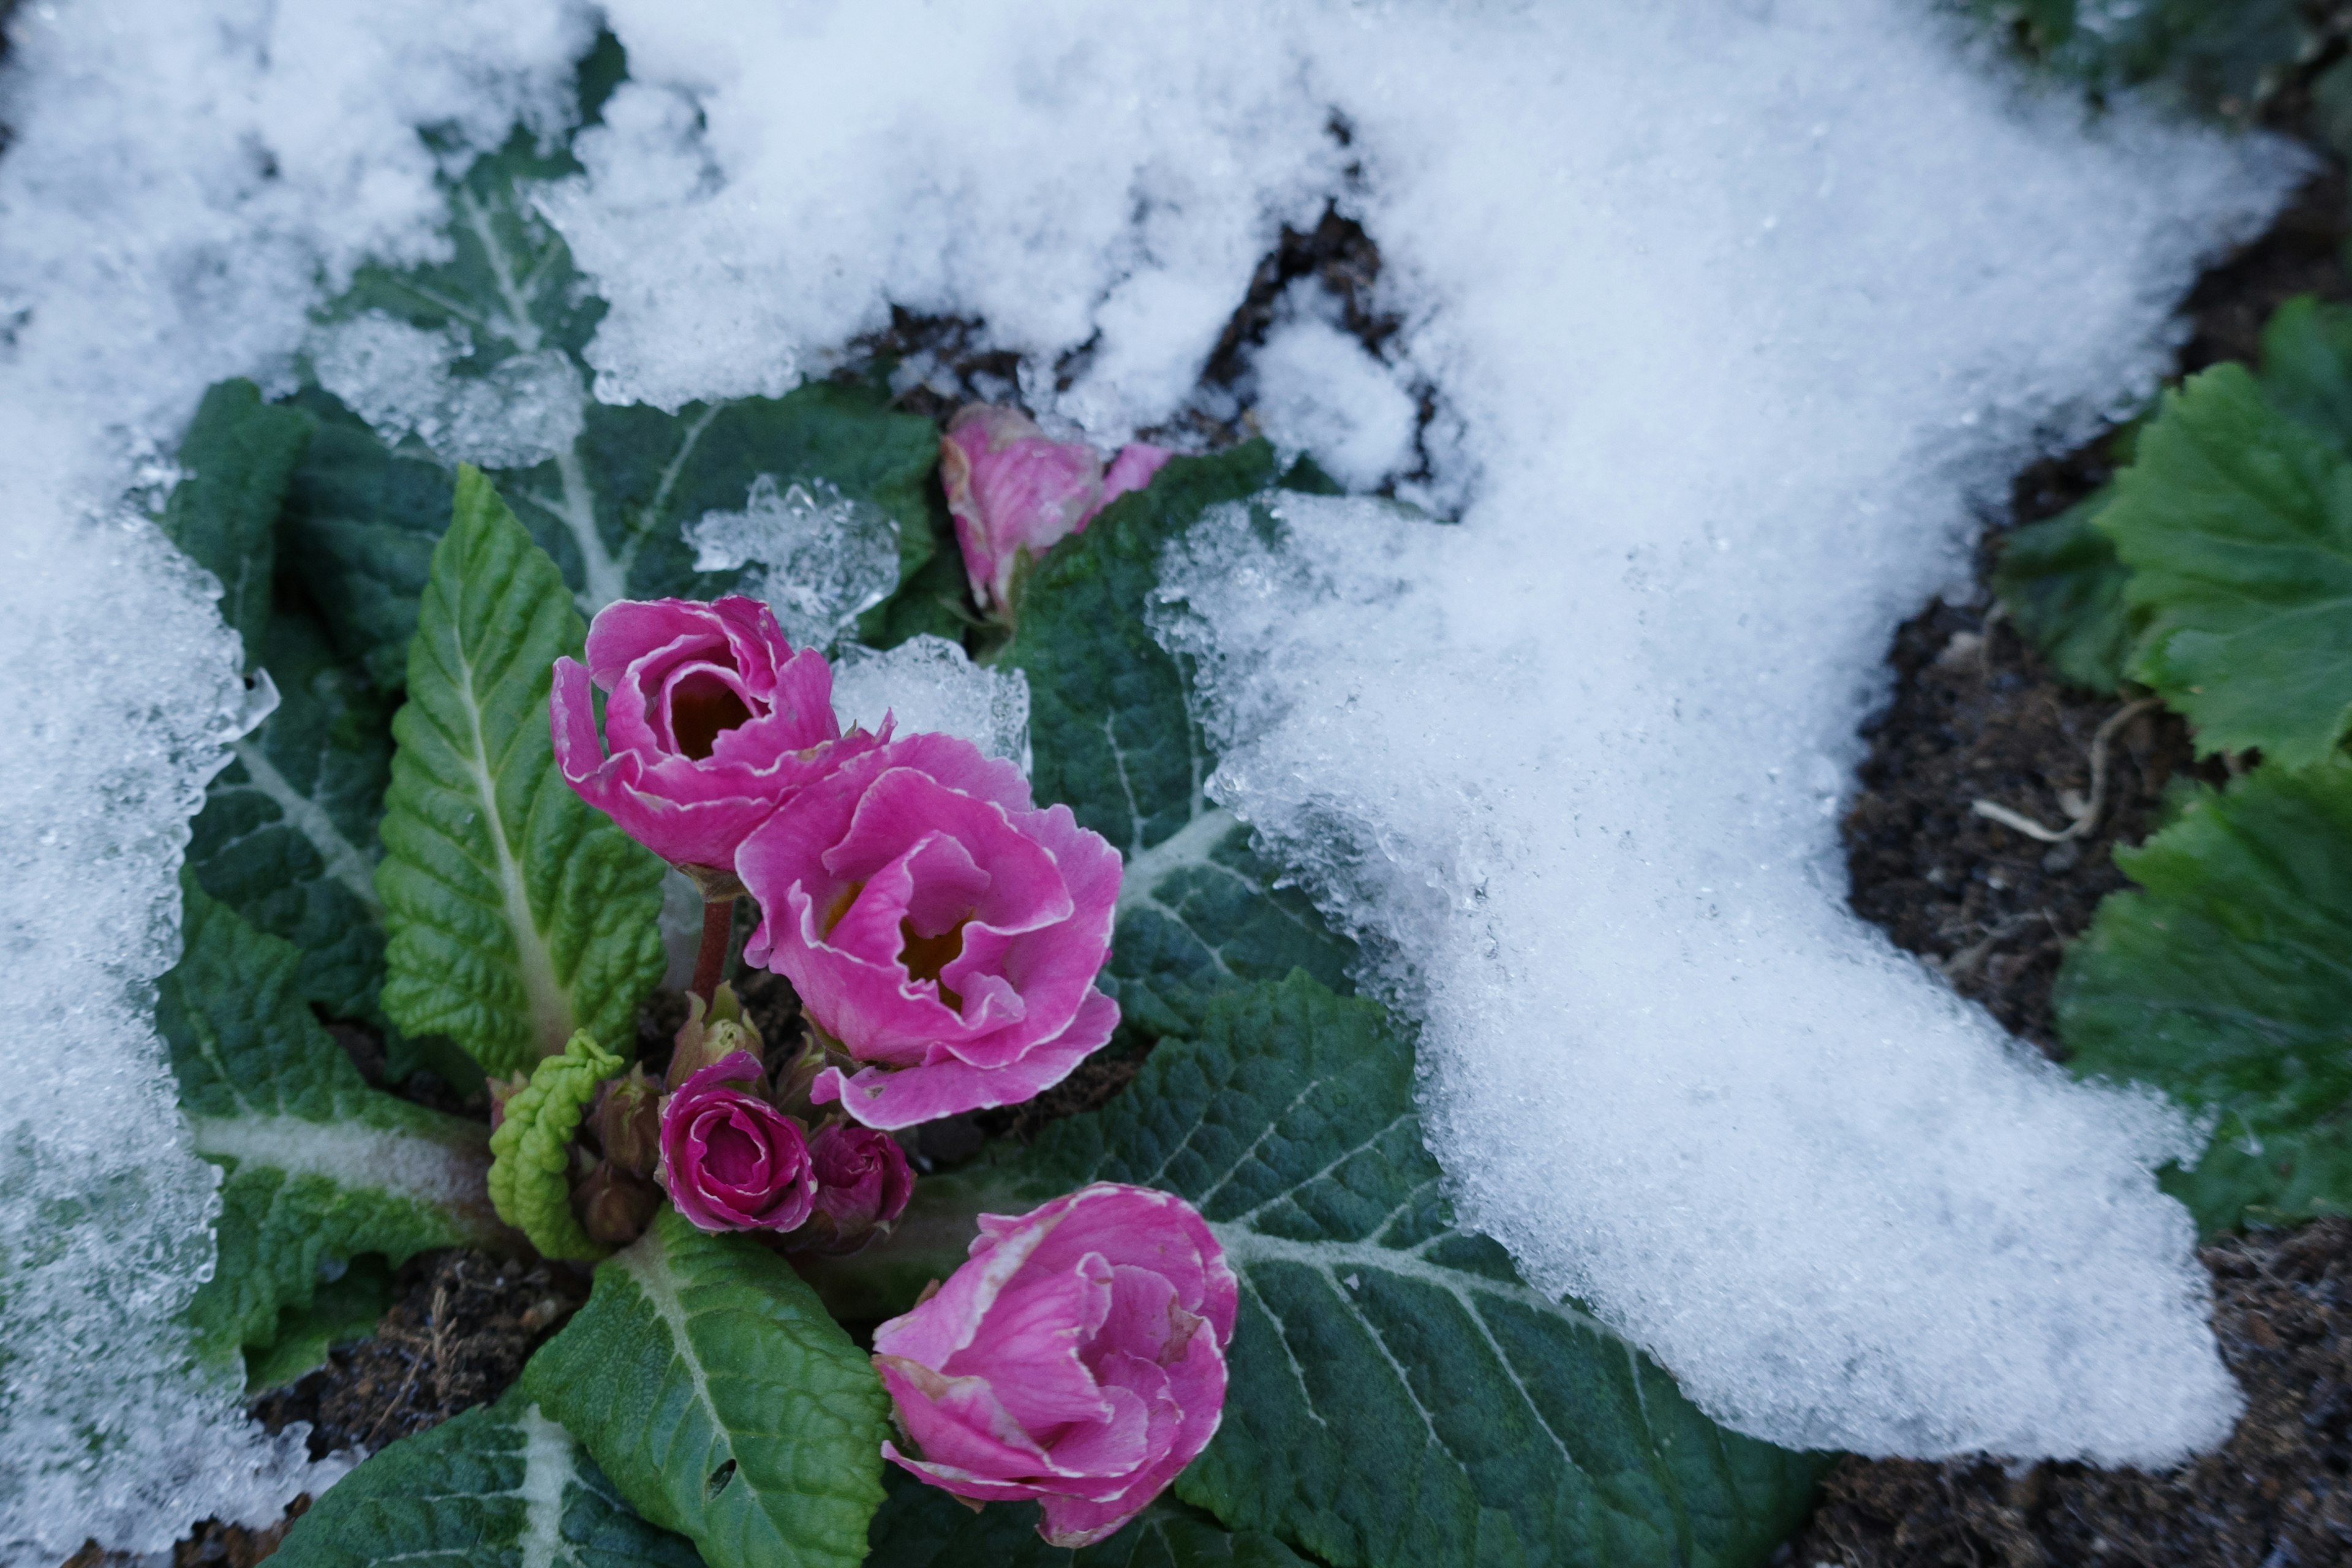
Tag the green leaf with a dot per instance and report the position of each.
(515, 913)
(2063, 589)
(1399, 1396)
(723, 1402)
(238, 454)
(2236, 523)
(320, 1167)
(287, 835)
(2307, 365)
(922, 1527)
(1114, 739)
(530, 1153)
(342, 1311)
(2225, 983)
(500, 1486)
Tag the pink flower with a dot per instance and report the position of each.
(730, 1160)
(940, 927)
(1078, 1358)
(862, 1186)
(711, 722)
(1014, 489)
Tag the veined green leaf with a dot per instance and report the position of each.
(2065, 590)
(722, 1400)
(1399, 1396)
(320, 1167)
(343, 1310)
(515, 913)
(238, 455)
(288, 835)
(500, 1486)
(2224, 981)
(2307, 365)
(922, 1527)
(530, 1153)
(2236, 523)
(1198, 911)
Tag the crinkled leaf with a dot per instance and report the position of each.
(2226, 981)
(530, 1153)
(1113, 737)
(1399, 1396)
(500, 1486)
(343, 1310)
(2236, 523)
(2063, 589)
(238, 455)
(320, 1167)
(922, 1527)
(724, 1403)
(515, 913)
(287, 835)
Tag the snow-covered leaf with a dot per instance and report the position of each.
(2224, 981)
(724, 1403)
(2236, 523)
(1113, 737)
(319, 1168)
(515, 913)
(2063, 589)
(922, 1527)
(1399, 1395)
(500, 1486)
(237, 458)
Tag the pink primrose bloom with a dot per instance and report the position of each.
(712, 720)
(1012, 489)
(939, 926)
(730, 1160)
(1078, 1359)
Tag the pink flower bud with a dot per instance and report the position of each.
(940, 927)
(731, 1160)
(863, 1184)
(1078, 1359)
(1015, 493)
(712, 719)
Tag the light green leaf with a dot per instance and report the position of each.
(2063, 589)
(515, 913)
(2236, 523)
(2227, 982)
(723, 1402)
(1198, 911)
(288, 835)
(500, 1486)
(530, 1153)
(1399, 1396)
(320, 1167)
(238, 455)
(922, 1527)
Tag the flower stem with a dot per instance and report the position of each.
(717, 930)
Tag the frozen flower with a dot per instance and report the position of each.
(863, 1184)
(731, 1160)
(1078, 1359)
(937, 926)
(712, 720)
(1014, 491)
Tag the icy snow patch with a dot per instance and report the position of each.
(526, 409)
(930, 683)
(1316, 389)
(1739, 311)
(181, 181)
(823, 558)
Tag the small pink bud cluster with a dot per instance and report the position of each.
(1015, 492)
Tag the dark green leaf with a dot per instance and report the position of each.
(1198, 911)
(1399, 1396)
(2227, 982)
(922, 1527)
(238, 455)
(723, 1402)
(500, 1486)
(2063, 589)
(515, 913)
(343, 1310)
(2307, 365)
(2236, 523)
(321, 1168)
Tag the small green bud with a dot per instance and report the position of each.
(705, 1041)
(627, 1121)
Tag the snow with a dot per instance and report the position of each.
(526, 409)
(1733, 312)
(822, 557)
(930, 683)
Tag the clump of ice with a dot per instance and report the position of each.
(822, 559)
(1738, 311)
(180, 183)
(930, 683)
(1318, 390)
(518, 414)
